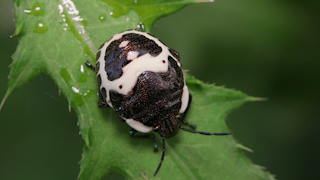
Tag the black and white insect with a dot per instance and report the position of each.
(141, 79)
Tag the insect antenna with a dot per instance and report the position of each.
(203, 133)
(162, 157)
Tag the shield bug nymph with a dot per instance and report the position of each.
(141, 79)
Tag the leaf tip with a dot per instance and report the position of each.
(4, 99)
(18, 29)
(244, 148)
(259, 99)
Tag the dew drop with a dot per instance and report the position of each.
(37, 9)
(102, 18)
(40, 28)
(82, 69)
(74, 89)
(28, 11)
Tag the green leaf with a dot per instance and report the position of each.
(58, 37)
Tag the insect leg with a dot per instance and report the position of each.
(90, 65)
(203, 133)
(162, 156)
(133, 132)
(101, 101)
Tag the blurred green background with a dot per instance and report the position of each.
(264, 48)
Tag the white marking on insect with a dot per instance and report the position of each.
(132, 55)
(138, 126)
(123, 44)
(115, 37)
(184, 98)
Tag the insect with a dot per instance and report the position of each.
(141, 79)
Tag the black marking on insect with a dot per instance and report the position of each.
(142, 81)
